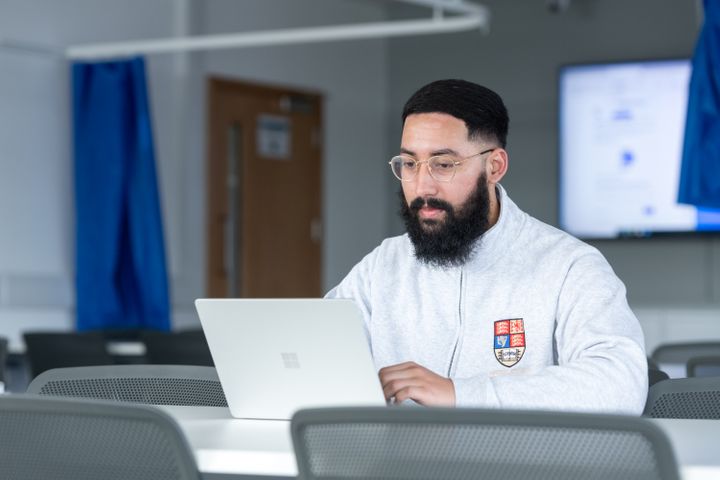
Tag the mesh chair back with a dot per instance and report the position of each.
(82, 440)
(46, 350)
(655, 376)
(148, 384)
(654, 373)
(685, 398)
(707, 366)
(682, 352)
(187, 347)
(419, 443)
(3, 358)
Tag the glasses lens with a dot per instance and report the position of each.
(442, 167)
(403, 167)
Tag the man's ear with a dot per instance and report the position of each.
(497, 165)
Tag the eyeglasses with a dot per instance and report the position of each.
(441, 167)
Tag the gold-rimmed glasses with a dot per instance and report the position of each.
(441, 167)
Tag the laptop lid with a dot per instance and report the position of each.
(275, 356)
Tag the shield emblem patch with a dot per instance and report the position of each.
(509, 341)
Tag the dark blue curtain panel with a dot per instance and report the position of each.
(120, 254)
(700, 172)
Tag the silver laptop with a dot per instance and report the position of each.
(275, 356)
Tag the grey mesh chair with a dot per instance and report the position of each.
(67, 439)
(149, 384)
(3, 358)
(680, 353)
(685, 398)
(654, 373)
(705, 366)
(46, 350)
(187, 347)
(421, 443)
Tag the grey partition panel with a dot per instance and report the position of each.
(399, 443)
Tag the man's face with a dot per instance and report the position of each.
(444, 219)
(428, 134)
(450, 243)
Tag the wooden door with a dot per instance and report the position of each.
(264, 191)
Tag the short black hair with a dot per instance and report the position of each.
(482, 110)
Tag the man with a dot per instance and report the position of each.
(480, 304)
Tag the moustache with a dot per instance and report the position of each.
(431, 202)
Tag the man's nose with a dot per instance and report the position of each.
(425, 184)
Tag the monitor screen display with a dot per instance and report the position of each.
(621, 138)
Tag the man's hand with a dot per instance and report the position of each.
(410, 380)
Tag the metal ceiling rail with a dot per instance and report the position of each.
(468, 16)
(29, 48)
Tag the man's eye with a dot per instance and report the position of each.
(443, 164)
(409, 164)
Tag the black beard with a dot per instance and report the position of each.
(447, 243)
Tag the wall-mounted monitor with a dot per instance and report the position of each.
(621, 138)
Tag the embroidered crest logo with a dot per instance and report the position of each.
(509, 341)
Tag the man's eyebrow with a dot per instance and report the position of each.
(442, 151)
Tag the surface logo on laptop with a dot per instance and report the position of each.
(290, 360)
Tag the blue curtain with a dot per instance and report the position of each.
(700, 172)
(120, 254)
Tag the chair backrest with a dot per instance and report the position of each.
(67, 439)
(187, 347)
(672, 358)
(685, 398)
(654, 373)
(655, 376)
(682, 352)
(149, 384)
(705, 366)
(3, 358)
(430, 443)
(46, 350)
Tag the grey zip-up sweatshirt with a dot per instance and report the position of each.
(536, 319)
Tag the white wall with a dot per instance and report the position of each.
(674, 286)
(36, 185)
(36, 202)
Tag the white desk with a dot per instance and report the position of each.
(224, 445)
(695, 443)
